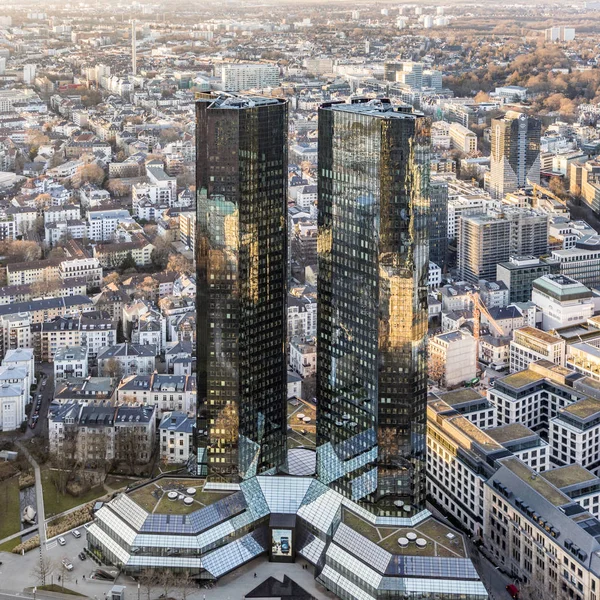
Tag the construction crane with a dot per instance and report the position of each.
(478, 308)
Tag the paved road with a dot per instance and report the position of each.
(46, 390)
(39, 494)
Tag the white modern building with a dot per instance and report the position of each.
(530, 344)
(238, 77)
(562, 300)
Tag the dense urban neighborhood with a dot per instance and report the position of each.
(300, 300)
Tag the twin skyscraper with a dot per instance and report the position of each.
(373, 204)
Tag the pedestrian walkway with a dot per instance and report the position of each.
(39, 493)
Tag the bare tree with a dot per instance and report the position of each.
(112, 368)
(64, 461)
(41, 570)
(436, 368)
(131, 447)
(64, 574)
(148, 581)
(167, 582)
(186, 585)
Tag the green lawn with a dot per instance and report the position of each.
(145, 498)
(55, 503)
(54, 587)
(8, 546)
(10, 522)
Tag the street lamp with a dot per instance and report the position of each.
(138, 590)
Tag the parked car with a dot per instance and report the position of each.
(66, 564)
(82, 556)
(76, 533)
(285, 545)
(61, 541)
(513, 590)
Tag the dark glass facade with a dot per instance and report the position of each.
(241, 257)
(438, 223)
(372, 315)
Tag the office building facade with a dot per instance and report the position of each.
(515, 153)
(241, 258)
(438, 223)
(372, 315)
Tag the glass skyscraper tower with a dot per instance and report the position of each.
(372, 314)
(241, 257)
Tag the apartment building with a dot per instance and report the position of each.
(132, 359)
(303, 356)
(238, 77)
(103, 222)
(82, 268)
(455, 355)
(176, 437)
(95, 433)
(35, 271)
(302, 315)
(166, 392)
(530, 345)
(93, 331)
(71, 362)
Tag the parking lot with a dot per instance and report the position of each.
(18, 572)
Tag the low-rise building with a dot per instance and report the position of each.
(530, 344)
(167, 392)
(584, 357)
(575, 434)
(121, 360)
(562, 300)
(303, 357)
(96, 433)
(579, 484)
(176, 437)
(535, 395)
(472, 405)
(453, 355)
(460, 459)
(523, 443)
(71, 362)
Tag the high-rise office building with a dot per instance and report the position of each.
(372, 316)
(438, 222)
(241, 255)
(485, 240)
(515, 159)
